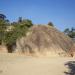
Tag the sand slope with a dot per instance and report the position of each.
(12, 64)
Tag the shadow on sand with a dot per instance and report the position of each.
(71, 67)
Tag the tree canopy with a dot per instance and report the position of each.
(50, 24)
(2, 16)
(3, 26)
(10, 32)
(70, 32)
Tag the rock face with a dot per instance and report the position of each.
(3, 49)
(44, 40)
(72, 51)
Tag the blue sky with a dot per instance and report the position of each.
(60, 12)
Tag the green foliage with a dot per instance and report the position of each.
(10, 38)
(19, 30)
(66, 30)
(2, 16)
(50, 24)
(70, 33)
(20, 19)
(3, 26)
(26, 22)
(13, 35)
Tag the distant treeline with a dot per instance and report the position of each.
(70, 32)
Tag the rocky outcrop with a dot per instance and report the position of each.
(44, 40)
(3, 49)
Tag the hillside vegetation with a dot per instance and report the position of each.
(25, 37)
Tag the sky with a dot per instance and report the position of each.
(60, 12)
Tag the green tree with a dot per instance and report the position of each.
(50, 24)
(28, 23)
(70, 33)
(3, 26)
(20, 19)
(67, 31)
(2, 16)
(19, 30)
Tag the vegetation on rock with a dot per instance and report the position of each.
(18, 29)
(41, 38)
